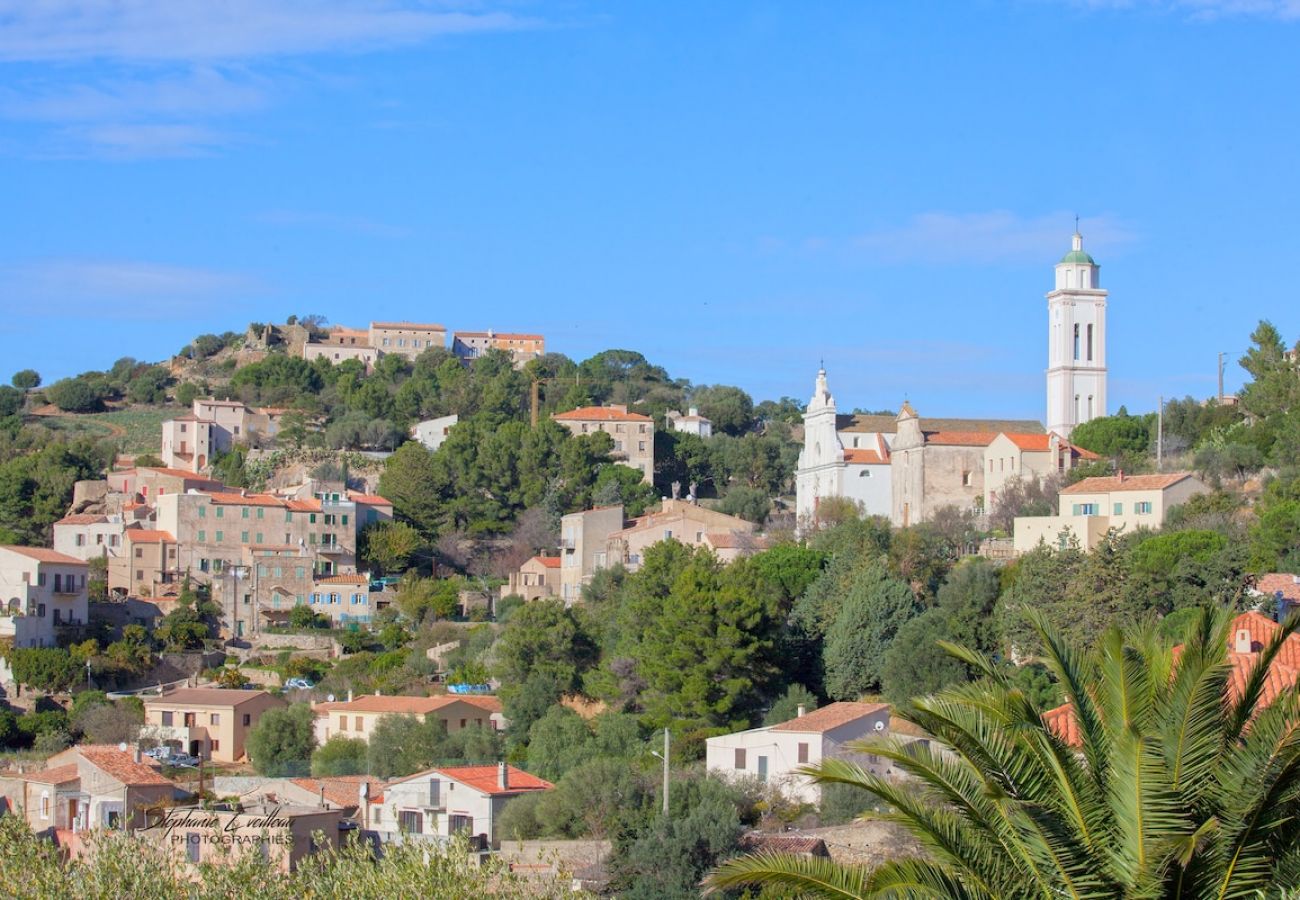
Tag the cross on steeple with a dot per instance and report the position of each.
(1076, 223)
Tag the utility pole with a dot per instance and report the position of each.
(1220, 378)
(665, 772)
(1160, 429)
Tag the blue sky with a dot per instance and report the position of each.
(737, 190)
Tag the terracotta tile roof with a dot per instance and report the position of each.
(863, 458)
(960, 438)
(205, 697)
(1282, 675)
(177, 473)
(303, 505)
(885, 424)
(407, 326)
(1282, 583)
(485, 702)
(120, 764)
(1111, 483)
(44, 554)
(484, 779)
(830, 716)
(83, 519)
(599, 414)
(730, 540)
(57, 775)
(551, 562)
(235, 499)
(341, 790)
(783, 843)
(343, 579)
(369, 499)
(402, 706)
(145, 536)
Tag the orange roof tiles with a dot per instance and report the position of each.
(82, 519)
(402, 706)
(407, 326)
(303, 505)
(484, 779)
(551, 562)
(205, 697)
(120, 764)
(341, 790)
(176, 473)
(960, 438)
(44, 554)
(244, 499)
(863, 458)
(1275, 583)
(57, 775)
(830, 717)
(369, 499)
(487, 702)
(1111, 483)
(599, 414)
(145, 536)
(343, 579)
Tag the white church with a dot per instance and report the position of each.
(906, 467)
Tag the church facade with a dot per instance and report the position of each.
(906, 467)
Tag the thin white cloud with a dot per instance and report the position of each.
(203, 89)
(331, 222)
(134, 141)
(203, 30)
(981, 238)
(118, 289)
(1283, 10)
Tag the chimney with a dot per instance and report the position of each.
(1120, 475)
(364, 805)
(802, 711)
(135, 756)
(376, 693)
(503, 775)
(694, 411)
(349, 695)
(1243, 643)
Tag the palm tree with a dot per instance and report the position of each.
(1184, 781)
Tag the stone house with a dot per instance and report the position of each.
(357, 718)
(633, 434)
(536, 579)
(408, 339)
(584, 539)
(190, 442)
(88, 536)
(679, 520)
(469, 345)
(148, 566)
(210, 723)
(337, 353)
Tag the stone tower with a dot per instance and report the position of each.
(1076, 355)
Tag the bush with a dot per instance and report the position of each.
(81, 394)
(843, 803)
(281, 742)
(339, 756)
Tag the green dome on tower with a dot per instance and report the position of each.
(1077, 254)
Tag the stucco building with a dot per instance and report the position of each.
(1028, 457)
(678, 520)
(521, 347)
(41, 591)
(88, 536)
(633, 433)
(408, 339)
(1090, 508)
(87, 787)
(357, 717)
(691, 423)
(432, 432)
(190, 442)
(584, 538)
(148, 566)
(536, 579)
(210, 723)
(774, 753)
(1076, 357)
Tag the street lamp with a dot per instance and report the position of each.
(664, 757)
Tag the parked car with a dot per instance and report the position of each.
(162, 751)
(298, 684)
(181, 761)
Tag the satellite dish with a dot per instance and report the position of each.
(879, 726)
(122, 746)
(330, 698)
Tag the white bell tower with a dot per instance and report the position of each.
(1076, 354)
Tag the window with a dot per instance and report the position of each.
(288, 515)
(248, 719)
(312, 518)
(343, 723)
(357, 724)
(966, 479)
(45, 804)
(1089, 343)
(803, 753)
(260, 511)
(167, 718)
(410, 822)
(344, 518)
(203, 512)
(259, 537)
(221, 512)
(243, 513)
(299, 572)
(762, 768)
(1076, 341)
(220, 537)
(203, 535)
(1119, 509)
(641, 446)
(740, 759)
(214, 745)
(243, 537)
(214, 719)
(865, 473)
(139, 574)
(81, 540)
(139, 552)
(1143, 508)
(40, 579)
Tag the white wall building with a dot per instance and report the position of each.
(40, 589)
(1076, 357)
(87, 536)
(439, 803)
(691, 423)
(432, 432)
(853, 465)
(774, 753)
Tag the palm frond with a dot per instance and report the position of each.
(820, 878)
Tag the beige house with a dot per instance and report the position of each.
(537, 578)
(521, 347)
(1092, 507)
(774, 753)
(633, 434)
(148, 483)
(343, 599)
(148, 565)
(356, 718)
(190, 442)
(584, 538)
(88, 536)
(679, 520)
(337, 353)
(286, 835)
(1013, 455)
(450, 800)
(408, 339)
(210, 723)
(86, 787)
(41, 591)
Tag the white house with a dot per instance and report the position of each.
(438, 803)
(691, 423)
(40, 589)
(774, 753)
(432, 432)
(86, 536)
